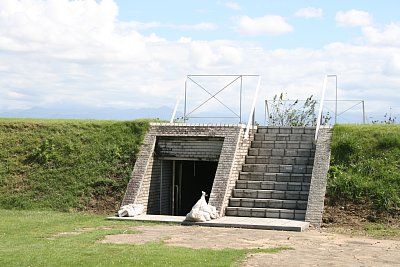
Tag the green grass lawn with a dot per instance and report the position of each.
(31, 238)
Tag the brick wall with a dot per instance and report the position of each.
(189, 148)
(143, 188)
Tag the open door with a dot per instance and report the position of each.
(190, 178)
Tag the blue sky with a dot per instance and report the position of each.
(307, 32)
(134, 54)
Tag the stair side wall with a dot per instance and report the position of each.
(232, 158)
(139, 185)
(316, 197)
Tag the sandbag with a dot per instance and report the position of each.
(201, 203)
(201, 211)
(213, 213)
(131, 210)
(195, 215)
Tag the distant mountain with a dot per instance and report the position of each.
(85, 112)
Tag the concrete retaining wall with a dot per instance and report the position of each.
(316, 197)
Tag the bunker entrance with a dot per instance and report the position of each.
(190, 178)
(182, 168)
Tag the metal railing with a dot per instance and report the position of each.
(252, 110)
(188, 114)
(321, 105)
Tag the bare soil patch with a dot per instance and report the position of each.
(309, 248)
(352, 216)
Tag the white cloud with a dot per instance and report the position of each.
(153, 38)
(199, 26)
(206, 55)
(137, 26)
(309, 12)
(389, 35)
(77, 30)
(393, 65)
(266, 25)
(232, 5)
(184, 40)
(353, 18)
(85, 55)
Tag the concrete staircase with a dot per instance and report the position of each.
(275, 179)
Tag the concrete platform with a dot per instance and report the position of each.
(227, 221)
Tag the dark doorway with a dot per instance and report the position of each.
(192, 177)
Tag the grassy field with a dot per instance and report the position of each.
(33, 238)
(365, 166)
(67, 164)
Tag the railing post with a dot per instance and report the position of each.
(240, 99)
(253, 106)
(321, 104)
(178, 99)
(363, 107)
(184, 108)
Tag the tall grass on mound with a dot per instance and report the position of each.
(365, 166)
(66, 164)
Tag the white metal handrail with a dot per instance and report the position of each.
(213, 96)
(321, 104)
(178, 100)
(253, 106)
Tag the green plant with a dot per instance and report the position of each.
(42, 153)
(283, 113)
(387, 119)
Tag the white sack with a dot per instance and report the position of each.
(131, 210)
(201, 211)
(195, 215)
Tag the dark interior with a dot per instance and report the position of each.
(197, 176)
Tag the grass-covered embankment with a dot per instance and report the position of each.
(365, 167)
(85, 165)
(66, 164)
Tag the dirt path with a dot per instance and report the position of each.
(310, 248)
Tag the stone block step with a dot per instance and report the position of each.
(285, 130)
(279, 177)
(270, 194)
(272, 185)
(280, 152)
(266, 213)
(277, 168)
(268, 203)
(283, 144)
(283, 137)
(279, 160)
